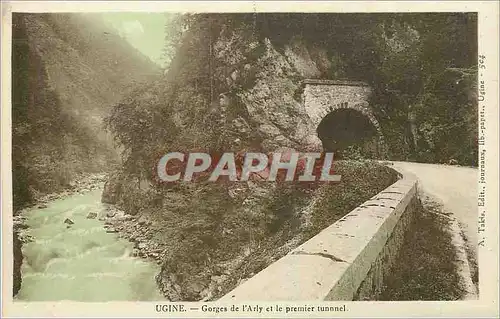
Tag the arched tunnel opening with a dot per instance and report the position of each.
(349, 134)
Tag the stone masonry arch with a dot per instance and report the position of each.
(322, 97)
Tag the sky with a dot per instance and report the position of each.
(144, 31)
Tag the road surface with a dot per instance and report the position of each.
(455, 187)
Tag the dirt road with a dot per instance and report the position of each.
(454, 187)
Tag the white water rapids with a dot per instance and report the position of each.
(81, 262)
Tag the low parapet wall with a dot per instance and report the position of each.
(347, 260)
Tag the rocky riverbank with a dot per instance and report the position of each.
(137, 230)
(84, 183)
(208, 239)
(175, 242)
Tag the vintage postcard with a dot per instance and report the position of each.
(249, 159)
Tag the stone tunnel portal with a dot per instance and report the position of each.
(348, 133)
(344, 122)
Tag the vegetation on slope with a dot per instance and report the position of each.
(234, 84)
(426, 267)
(66, 73)
(422, 68)
(209, 237)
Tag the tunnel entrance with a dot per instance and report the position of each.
(349, 134)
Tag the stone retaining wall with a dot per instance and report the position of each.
(347, 260)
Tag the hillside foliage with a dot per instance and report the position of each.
(67, 72)
(422, 68)
(233, 84)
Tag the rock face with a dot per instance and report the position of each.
(257, 105)
(272, 105)
(225, 91)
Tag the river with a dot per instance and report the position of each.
(81, 262)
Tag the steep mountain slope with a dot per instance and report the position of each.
(67, 71)
(235, 85)
(227, 89)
